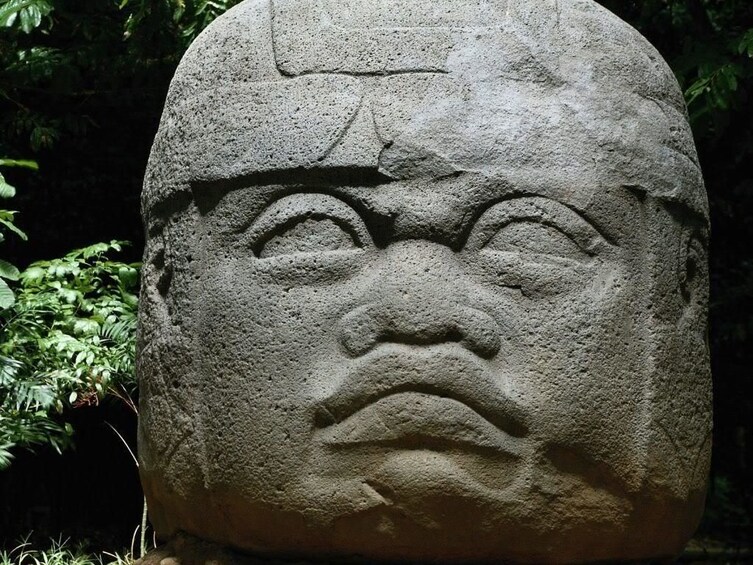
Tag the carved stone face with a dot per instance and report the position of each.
(433, 317)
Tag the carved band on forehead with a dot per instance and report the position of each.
(425, 89)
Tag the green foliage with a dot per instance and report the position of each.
(60, 553)
(28, 13)
(724, 508)
(67, 341)
(709, 44)
(714, 76)
(9, 272)
(188, 17)
(56, 54)
(7, 190)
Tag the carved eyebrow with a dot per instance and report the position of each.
(208, 193)
(548, 212)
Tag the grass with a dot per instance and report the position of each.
(61, 552)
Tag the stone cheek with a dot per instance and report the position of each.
(424, 284)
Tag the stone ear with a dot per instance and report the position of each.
(693, 334)
(693, 276)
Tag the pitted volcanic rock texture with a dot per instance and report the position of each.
(425, 281)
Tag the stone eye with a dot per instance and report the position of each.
(533, 228)
(306, 224)
(534, 238)
(308, 235)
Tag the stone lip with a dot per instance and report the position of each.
(417, 420)
(431, 376)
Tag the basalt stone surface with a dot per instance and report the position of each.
(425, 281)
(183, 549)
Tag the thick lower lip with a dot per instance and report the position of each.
(447, 387)
(418, 420)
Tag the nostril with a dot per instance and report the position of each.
(484, 339)
(358, 331)
(454, 336)
(365, 327)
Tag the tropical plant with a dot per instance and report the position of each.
(54, 54)
(27, 13)
(9, 272)
(82, 84)
(68, 340)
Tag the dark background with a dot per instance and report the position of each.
(85, 104)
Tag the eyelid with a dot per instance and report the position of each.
(545, 211)
(281, 213)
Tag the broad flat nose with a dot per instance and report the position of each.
(419, 299)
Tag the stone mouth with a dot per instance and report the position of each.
(417, 420)
(411, 396)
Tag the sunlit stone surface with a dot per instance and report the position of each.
(425, 280)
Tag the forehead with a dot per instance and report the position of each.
(233, 132)
(426, 91)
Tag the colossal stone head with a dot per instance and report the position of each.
(425, 280)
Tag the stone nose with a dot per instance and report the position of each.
(419, 298)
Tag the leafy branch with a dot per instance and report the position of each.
(9, 272)
(27, 13)
(68, 341)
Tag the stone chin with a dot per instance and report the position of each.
(576, 527)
